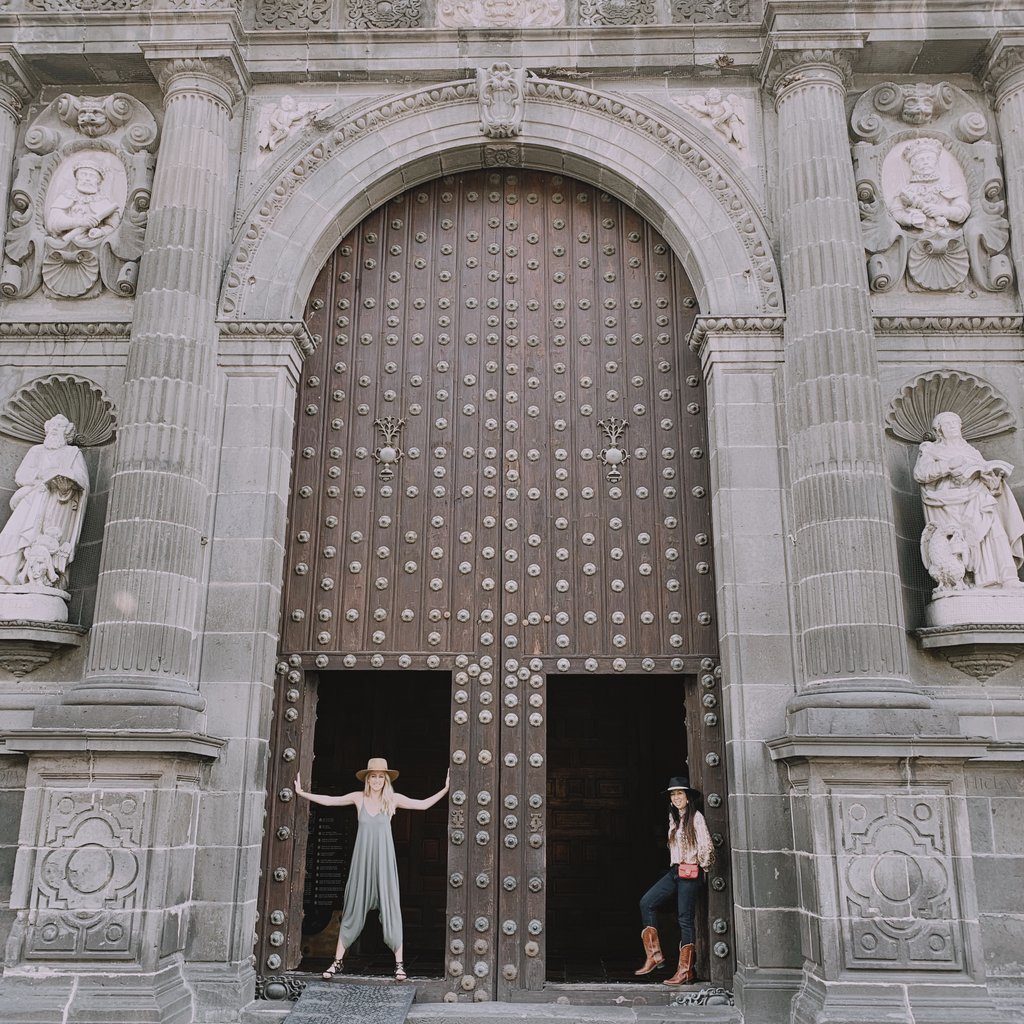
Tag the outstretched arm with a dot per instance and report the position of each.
(327, 801)
(421, 805)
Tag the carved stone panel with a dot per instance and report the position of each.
(89, 876)
(930, 190)
(896, 866)
(80, 200)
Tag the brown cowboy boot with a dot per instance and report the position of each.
(685, 973)
(652, 947)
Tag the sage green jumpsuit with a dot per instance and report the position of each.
(372, 882)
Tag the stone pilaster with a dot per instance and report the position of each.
(851, 617)
(1004, 77)
(16, 89)
(144, 645)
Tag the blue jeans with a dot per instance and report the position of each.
(685, 891)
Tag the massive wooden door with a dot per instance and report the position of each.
(500, 470)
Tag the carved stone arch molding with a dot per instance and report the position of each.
(346, 164)
(86, 404)
(983, 411)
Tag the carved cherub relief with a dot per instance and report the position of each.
(80, 199)
(287, 117)
(930, 191)
(725, 114)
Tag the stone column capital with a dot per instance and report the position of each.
(1003, 65)
(218, 72)
(790, 60)
(17, 83)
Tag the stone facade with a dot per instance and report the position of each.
(843, 189)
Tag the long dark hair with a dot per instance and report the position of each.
(683, 823)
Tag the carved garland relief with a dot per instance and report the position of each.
(80, 199)
(930, 191)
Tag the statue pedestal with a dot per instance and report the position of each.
(26, 644)
(35, 604)
(992, 606)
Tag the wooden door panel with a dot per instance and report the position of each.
(518, 339)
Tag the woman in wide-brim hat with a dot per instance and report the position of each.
(689, 849)
(373, 876)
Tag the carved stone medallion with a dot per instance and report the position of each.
(80, 199)
(930, 190)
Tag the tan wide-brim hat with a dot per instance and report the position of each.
(377, 764)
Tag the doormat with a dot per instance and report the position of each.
(336, 1002)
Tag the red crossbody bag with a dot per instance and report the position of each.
(689, 870)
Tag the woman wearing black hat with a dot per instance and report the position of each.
(690, 849)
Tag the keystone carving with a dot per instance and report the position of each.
(80, 199)
(930, 190)
(501, 89)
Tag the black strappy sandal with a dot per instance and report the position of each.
(336, 968)
(400, 974)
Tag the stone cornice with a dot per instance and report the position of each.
(294, 331)
(792, 59)
(948, 324)
(706, 327)
(59, 331)
(219, 70)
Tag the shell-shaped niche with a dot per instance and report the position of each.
(982, 410)
(81, 401)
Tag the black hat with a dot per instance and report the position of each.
(680, 782)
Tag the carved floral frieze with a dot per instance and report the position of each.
(930, 190)
(80, 199)
(382, 14)
(711, 10)
(293, 14)
(618, 12)
(500, 13)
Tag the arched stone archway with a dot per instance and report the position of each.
(330, 178)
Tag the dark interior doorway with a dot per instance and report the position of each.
(401, 716)
(613, 742)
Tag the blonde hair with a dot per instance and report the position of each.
(387, 794)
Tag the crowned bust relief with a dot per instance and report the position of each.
(80, 199)
(930, 191)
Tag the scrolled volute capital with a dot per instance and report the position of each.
(787, 64)
(17, 85)
(220, 75)
(1003, 69)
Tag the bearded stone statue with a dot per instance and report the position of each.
(38, 542)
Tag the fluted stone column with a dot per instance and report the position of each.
(851, 617)
(143, 647)
(16, 89)
(1005, 80)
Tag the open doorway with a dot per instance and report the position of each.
(403, 717)
(613, 742)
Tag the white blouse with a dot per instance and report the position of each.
(703, 853)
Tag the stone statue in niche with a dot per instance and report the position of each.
(973, 540)
(501, 90)
(930, 190)
(724, 113)
(80, 199)
(286, 117)
(38, 542)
